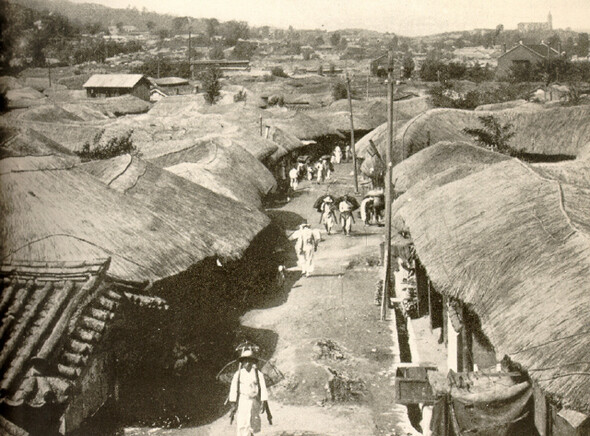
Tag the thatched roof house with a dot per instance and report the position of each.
(198, 212)
(300, 125)
(52, 209)
(513, 243)
(536, 132)
(24, 141)
(222, 166)
(454, 160)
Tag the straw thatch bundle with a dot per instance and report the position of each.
(461, 158)
(536, 132)
(53, 210)
(23, 141)
(200, 213)
(515, 247)
(223, 167)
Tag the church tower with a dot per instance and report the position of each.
(550, 21)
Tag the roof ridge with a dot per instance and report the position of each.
(561, 204)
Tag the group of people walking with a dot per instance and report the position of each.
(327, 205)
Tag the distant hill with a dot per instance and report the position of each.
(87, 13)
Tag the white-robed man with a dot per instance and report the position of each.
(306, 244)
(248, 396)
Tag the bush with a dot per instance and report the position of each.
(339, 91)
(116, 146)
(268, 78)
(278, 72)
(493, 135)
(276, 100)
(240, 96)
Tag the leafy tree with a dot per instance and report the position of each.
(211, 80)
(339, 91)
(493, 134)
(278, 72)
(408, 65)
(521, 72)
(163, 34)
(234, 30)
(335, 39)
(180, 24)
(212, 27)
(216, 52)
(120, 26)
(150, 25)
(243, 50)
(583, 44)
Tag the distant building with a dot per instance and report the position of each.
(173, 85)
(530, 54)
(536, 27)
(222, 64)
(379, 65)
(113, 85)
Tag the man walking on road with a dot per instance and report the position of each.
(346, 217)
(248, 396)
(306, 244)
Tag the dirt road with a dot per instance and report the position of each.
(327, 328)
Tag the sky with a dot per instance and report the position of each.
(403, 17)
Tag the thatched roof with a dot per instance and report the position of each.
(461, 158)
(53, 210)
(284, 139)
(537, 132)
(300, 125)
(202, 214)
(221, 166)
(515, 247)
(23, 141)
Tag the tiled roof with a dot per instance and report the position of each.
(52, 317)
(113, 81)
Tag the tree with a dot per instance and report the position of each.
(335, 39)
(234, 30)
(212, 27)
(408, 65)
(216, 52)
(339, 91)
(150, 25)
(583, 45)
(211, 80)
(493, 135)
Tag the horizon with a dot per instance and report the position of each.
(415, 19)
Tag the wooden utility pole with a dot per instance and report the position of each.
(260, 123)
(387, 260)
(356, 183)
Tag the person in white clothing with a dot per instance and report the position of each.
(306, 244)
(248, 396)
(294, 178)
(337, 154)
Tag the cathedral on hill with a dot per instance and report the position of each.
(535, 27)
